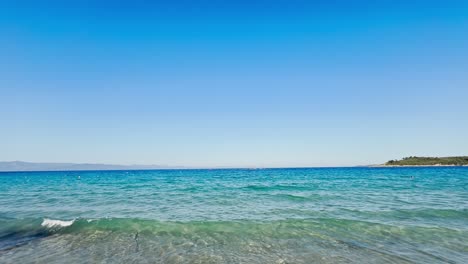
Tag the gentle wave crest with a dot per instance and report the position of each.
(56, 223)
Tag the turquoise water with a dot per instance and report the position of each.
(319, 215)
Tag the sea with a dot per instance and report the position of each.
(298, 215)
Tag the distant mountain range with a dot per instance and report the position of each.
(32, 166)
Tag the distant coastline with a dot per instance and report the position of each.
(22, 166)
(19, 166)
(414, 166)
(413, 161)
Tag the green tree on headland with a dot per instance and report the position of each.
(429, 161)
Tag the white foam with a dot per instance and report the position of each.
(56, 223)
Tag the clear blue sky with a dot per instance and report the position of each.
(245, 83)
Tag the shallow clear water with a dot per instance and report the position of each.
(320, 215)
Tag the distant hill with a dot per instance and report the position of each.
(429, 161)
(32, 166)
